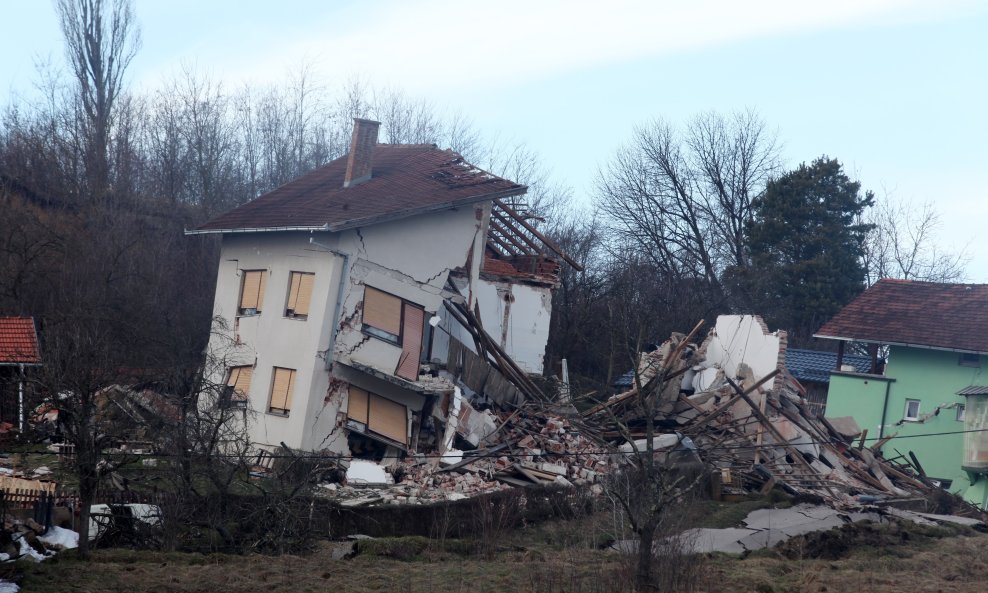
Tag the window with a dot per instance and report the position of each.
(282, 385)
(969, 359)
(381, 416)
(252, 292)
(960, 413)
(397, 321)
(382, 315)
(912, 409)
(299, 295)
(238, 386)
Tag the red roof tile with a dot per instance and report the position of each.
(537, 269)
(951, 316)
(18, 341)
(407, 179)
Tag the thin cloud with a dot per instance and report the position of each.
(436, 45)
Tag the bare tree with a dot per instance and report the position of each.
(902, 244)
(653, 481)
(101, 38)
(683, 198)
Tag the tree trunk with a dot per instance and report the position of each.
(88, 483)
(644, 580)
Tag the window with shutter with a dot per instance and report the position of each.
(382, 314)
(253, 283)
(356, 408)
(397, 321)
(299, 295)
(239, 382)
(376, 416)
(282, 385)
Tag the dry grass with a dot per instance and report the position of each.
(144, 572)
(553, 557)
(951, 564)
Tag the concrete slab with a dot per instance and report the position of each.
(767, 527)
(719, 540)
(933, 519)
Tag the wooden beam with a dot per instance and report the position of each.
(506, 222)
(540, 236)
(717, 412)
(521, 247)
(793, 451)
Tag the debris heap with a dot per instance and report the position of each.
(755, 429)
(729, 396)
(530, 447)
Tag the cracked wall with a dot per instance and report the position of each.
(411, 259)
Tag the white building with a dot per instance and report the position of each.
(343, 290)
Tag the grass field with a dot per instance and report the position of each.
(552, 557)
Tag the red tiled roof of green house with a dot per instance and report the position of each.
(407, 179)
(912, 313)
(18, 341)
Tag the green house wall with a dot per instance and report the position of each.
(931, 376)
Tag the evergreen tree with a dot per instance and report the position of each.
(806, 243)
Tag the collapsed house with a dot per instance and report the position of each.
(382, 304)
(391, 308)
(750, 421)
(728, 397)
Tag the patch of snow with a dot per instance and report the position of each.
(61, 537)
(8, 587)
(29, 552)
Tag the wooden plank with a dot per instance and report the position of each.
(539, 235)
(720, 409)
(775, 433)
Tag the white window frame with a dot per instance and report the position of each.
(960, 412)
(905, 413)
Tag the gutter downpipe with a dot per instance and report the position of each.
(339, 297)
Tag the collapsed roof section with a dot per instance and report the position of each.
(518, 250)
(750, 422)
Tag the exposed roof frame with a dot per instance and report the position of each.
(498, 204)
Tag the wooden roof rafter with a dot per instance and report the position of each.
(514, 224)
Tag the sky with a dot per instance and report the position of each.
(894, 89)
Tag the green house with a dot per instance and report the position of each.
(932, 393)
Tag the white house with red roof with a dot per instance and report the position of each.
(19, 350)
(374, 302)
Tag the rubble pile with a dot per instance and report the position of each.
(756, 431)
(533, 448)
(729, 398)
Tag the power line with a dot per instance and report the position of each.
(497, 454)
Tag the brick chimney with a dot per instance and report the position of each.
(361, 159)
